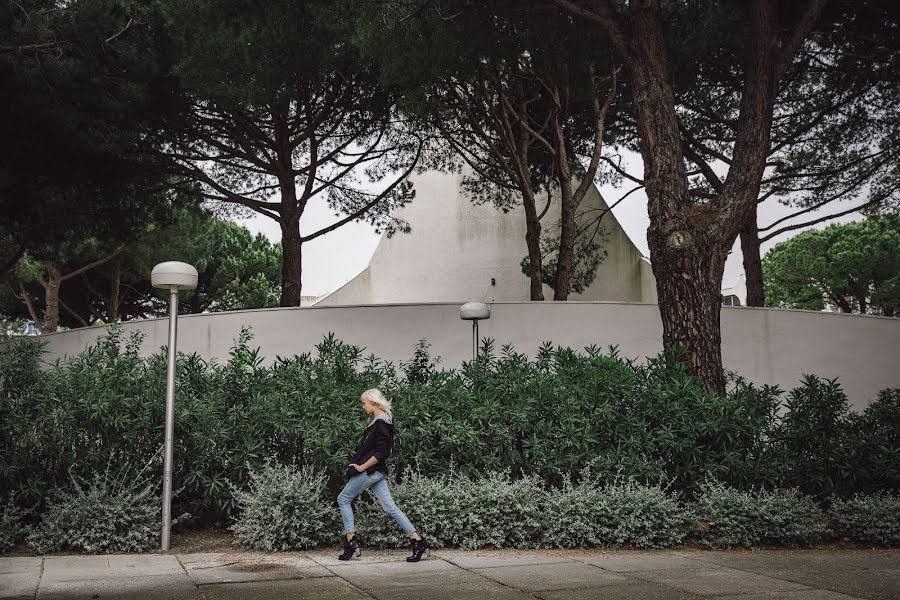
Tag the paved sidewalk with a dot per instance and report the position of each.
(459, 575)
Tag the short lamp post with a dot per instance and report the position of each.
(174, 276)
(474, 311)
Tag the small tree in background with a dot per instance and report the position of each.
(853, 267)
(88, 281)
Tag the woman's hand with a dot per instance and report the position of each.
(358, 468)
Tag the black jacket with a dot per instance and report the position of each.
(378, 441)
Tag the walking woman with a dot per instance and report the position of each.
(368, 469)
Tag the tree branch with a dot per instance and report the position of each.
(372, 203)
(820, 220)
(90, 266)
(73, 313)
(26, 298)
(602, 15)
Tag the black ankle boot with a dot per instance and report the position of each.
(351, 547)
(418, 548)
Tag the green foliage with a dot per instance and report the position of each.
(101, 516)
(236, 270)
(867, 519)
(284, 509)
(588, 254)
(81, 83)
(726, 517)
(548, 417)
(12, 527)
(854, 267)
(876, 460)
(817, 438)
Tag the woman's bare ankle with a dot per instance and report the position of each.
(415, 536)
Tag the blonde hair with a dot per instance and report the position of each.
(377, 398)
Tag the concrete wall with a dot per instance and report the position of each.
(764, 345)
(455, 248)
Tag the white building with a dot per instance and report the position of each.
(736, 295)
(459, 252)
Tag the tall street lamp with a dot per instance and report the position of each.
(174, 276)
(474, 311)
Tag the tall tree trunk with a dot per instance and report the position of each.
(843, 304)
(563, 282)
(51, 286)
(195, 305)
(533, 242)
(688, 242)
(291, 248)
(690, 302)
(688, 272)
(290, 211)
(756, 291)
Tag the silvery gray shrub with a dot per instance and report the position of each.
(285, 508)
(867, 519)
(12, 530)
(495, 510)
(620, 514)
(727, 517)
(99, 517)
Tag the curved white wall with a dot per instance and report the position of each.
(764, 345)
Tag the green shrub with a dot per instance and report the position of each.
(815, 438)
(12, 528)
(876, 443)
(494, 510)
(867, 519)
(99, 517)
(726, 517)
(543, 417)
(284, 509)
(622, 514)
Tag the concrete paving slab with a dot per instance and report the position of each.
(649, 561)
(825, 574)
(477, 559)
(80, 568)
(795, 595)
(711, 581)
(330, 558)
(619, 591)
(860, 583)
(415, 580)
(379, 574)
(212, 558)
(322, 588)
(557, 576)
(232, 568)
(774, 562)
(474, 590)
(18, 585)
(21, 564)
(159, 587)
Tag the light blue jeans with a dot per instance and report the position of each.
(356, 486)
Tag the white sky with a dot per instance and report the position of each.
(331, 260)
